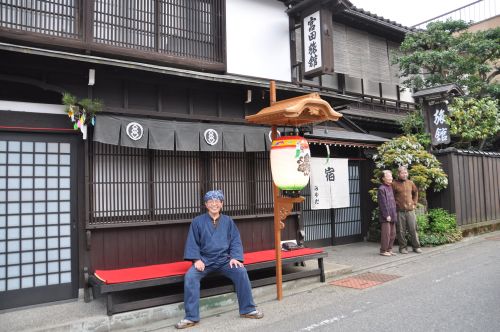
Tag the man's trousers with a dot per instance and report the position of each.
(238, 276)
(407, 220)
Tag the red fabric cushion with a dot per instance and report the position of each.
(180, 268)
(143, 272)
(270, 255)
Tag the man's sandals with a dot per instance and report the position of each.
(185, 323)
(256, 314)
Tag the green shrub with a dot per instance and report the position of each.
(437, 227)
(440, 221)
(422, 223)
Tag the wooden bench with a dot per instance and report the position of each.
(113, 282)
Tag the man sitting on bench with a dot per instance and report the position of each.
(214, 245)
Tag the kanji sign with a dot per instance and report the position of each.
(440, 131)
(312, 42)
(329, 183)
(317, 43)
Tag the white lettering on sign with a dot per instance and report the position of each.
(441, 134)
(439, 116)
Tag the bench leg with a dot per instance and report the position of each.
(86, 292)
(109, 304)
(95, 293)
(322, 269)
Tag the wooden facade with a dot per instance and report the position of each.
(133, 206)
(112, 248)
(473, 192)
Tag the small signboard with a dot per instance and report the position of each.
(440, 131)
(312, 42)
(329, 183)
(317, 43)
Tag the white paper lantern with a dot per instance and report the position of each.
(290, 162)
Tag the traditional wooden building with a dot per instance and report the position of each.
(176, 79)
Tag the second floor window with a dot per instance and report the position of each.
(178, 27)
(187, 29)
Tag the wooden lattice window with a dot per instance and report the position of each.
(58, 18)
(140, 186)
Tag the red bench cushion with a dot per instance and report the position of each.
(270, 255)
(180, 268)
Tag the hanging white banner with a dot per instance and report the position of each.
(329, 183)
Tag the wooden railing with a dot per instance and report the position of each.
(187, 33)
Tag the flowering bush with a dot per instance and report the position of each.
(424, 169)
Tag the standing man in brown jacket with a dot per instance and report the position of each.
(406, 195)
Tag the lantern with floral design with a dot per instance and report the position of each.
(290, 163)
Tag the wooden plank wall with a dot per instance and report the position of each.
(473, 193)
(137, 246)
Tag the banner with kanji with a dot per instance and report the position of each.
(329, 183)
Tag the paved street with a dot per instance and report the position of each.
(455, 289)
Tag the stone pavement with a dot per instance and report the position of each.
(76, 315)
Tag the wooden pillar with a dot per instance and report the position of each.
(277, 220)
(282, 208)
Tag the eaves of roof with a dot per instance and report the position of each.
(439, 90)
(345, 7)
(358, 113)
(365, 14)
(224, 78)
(345, 136)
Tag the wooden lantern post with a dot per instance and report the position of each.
(294, 112)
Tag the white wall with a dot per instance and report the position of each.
(16, 106)
(258, 39)
(406, 95)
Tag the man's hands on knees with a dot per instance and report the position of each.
(199, 265)
(235, 263)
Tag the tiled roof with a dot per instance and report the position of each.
(353, 10)
(441, 89)
(380, 18)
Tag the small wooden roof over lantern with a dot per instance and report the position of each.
(296, 111)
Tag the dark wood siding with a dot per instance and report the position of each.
(137, 246)
(473, 193)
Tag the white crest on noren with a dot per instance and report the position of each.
(134, 131)
(211, 136)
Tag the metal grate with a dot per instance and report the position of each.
(364, 280)
(51, 17)
(355, 283)
(130, 185)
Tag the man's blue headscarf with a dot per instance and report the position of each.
(214, 194)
